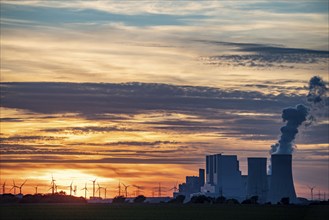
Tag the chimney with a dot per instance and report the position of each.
(282, 184)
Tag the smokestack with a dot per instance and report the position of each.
(282, 184)
(257, 179)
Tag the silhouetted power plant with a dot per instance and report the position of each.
(223, 178)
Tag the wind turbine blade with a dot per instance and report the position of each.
(23, 183)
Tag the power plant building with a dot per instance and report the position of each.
(192, 185)
(223, 178)
(257, 180)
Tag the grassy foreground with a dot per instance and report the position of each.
(160, 211)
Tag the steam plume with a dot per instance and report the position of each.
(316, 98)
(317, 90)
(295, 116)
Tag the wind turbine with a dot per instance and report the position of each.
(119, 188)
(126, 189)
(138, 189)
(93, 186)
(85, 189)
(159, 190)
(319, 195)
(52, 184)
(71, 188)
(311, 188)
(14, 187)
(36, 189)
(4, 187)
(175, 189)
(56, 188)
(75, 190)
(21, 186)
(99, 190)
(105, 189)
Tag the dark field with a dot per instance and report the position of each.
(161, 211)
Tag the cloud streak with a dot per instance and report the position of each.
(265, 56)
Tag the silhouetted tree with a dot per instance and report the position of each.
(119, 199)
(62, 192)
(220, 200)
(285, 201)
(139, 199)
(179, 199)
(251, 200)
(39, 198)
(232, 201)
(202, 199)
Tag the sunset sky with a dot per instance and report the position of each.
(140, 91)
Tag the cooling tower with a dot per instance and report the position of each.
(257, 179)
(282, 184)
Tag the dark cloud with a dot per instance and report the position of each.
(264, 55)
(206, 109)
(11, 120)
(131, 98)
(87, 129)
(19, 138)
(141, 143)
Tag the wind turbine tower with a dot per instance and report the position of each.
(94, 181)
(21, 186)
(85, 189)
(105, 189)
(126, 189)
(99, 190)
(175, 189)
(311, 189)
(159, 190)
(52, 185)
(138, 189)
(71, 188)
(14, 187)
(119, 189)
(4, 187)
